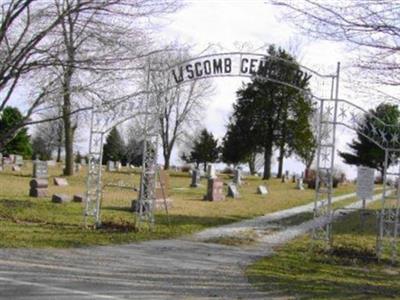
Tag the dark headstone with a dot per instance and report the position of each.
(61, 198)
(79, 198)
(195, 178)
(237, 177)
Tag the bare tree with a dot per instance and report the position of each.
(372, 27)
(69, 48)
(181, 106)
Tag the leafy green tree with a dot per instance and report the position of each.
(365, 152)
(267, 114)
(20, 143)
(234, 151)
(205, 150)
(114, 148)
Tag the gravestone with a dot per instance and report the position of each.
(59, 181)
(294, 179)
(299, 184)
(162, 184)
(262, 190)
(16, 168)
(77, 167)
(39, 184)
(162, 191)
(237, 177)
(365, 184)
(79, 198)
(118, 165)
(40, 169)
(211, 172)
(51, 163)
(233, 191)
(83, 161)
(19, 160)
(215, 190)
(111, 166)
(195, 178)
(1, 162)
(61, 198)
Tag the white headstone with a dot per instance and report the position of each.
(262, 189)
(110, 166)
(299, 184)
(118, 165)
(365, 182)
(19, 160)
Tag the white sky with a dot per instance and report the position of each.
(229, 22)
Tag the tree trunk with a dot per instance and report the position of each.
(280, 160)
(59, 153)
(205, 166)
(167, 158)
(267, 161)
(68, 128)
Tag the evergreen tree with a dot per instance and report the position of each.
(114, 148)
(205, 150)
(365, 151)
(20, 144)
(268, 114)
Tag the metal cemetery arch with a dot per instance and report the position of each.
(332, 112)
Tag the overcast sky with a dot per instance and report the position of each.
(228, 23)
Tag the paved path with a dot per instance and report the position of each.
(166, 269)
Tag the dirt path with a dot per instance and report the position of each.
(165, 269)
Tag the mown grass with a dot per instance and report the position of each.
(37, 222)
(350, 270)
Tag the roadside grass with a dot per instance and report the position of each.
(350, 270)
(37, 222)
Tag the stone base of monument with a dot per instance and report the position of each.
(38, 188)
(79, 198)
(61, 198)
(38, 192)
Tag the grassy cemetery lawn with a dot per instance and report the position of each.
(38, 222)
(349, 270)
